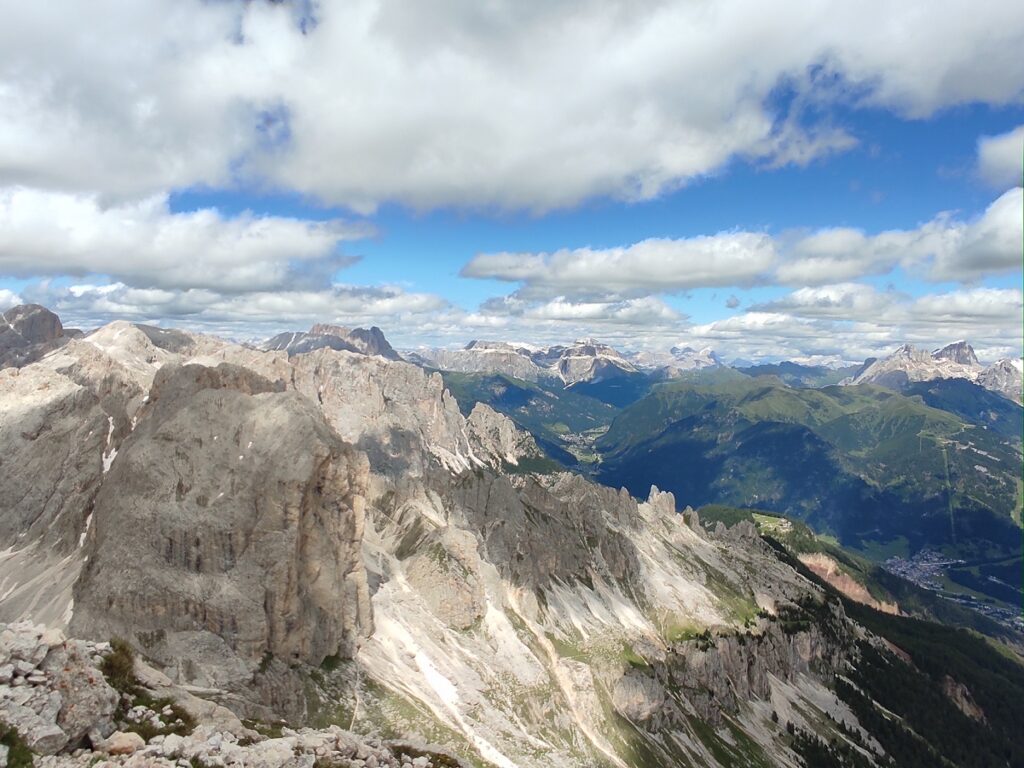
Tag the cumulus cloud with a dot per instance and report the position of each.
(655, 265)
(1001, 158)
(855, 321)
(647, 311)
(254, 313)
(145, 245)
(842, 300)
(944, 248)
(8, 299)
(509, 104)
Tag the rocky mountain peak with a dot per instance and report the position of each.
(959, 352)
(364, 341)
(27, 332)
(33, 322)
(688, 358)
(1006, 377)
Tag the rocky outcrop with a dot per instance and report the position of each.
(54, 694)
(51, 690)
(229, 529)
(961, 697)
(62, 420)
(540, 534)
(716, 673)
(494, 435)
(589, 361)
(487, 357)
(1004, 377)
(27, 332)
(52, 436)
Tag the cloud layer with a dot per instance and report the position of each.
(945, 248)
(510, 104)
(108, 108)
(657, 265)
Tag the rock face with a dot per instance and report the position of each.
(52, 435)
(366, 341)
(229, 528)
(585, 360)
(488, 357)
(27, 332)
(1004, 377)
(588, 360)
(960, 352)
(53, 695)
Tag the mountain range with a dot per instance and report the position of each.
(301, 553)
(589, 362)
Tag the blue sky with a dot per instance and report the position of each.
(500, 173)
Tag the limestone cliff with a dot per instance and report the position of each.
(228, 528)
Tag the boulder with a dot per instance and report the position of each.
(88, 702)
(122, 743)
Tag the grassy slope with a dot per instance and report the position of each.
(796, 375)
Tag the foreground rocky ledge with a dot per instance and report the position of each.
(58, 708)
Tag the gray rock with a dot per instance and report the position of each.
(45, 739)
(88, 702)
(121, 743)
(230, 525)
(27, 332)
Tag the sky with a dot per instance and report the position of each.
(819, 183)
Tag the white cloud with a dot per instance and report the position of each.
(8, 299)
(145, 245)
(250, 314)
(855, 321)
(646, 311)
(509, 103)
(1001, 158)
(841, 300)
(944, 248)
(650, 266)
(989, 245)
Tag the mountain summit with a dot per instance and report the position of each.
(959, 352)
(953, 361)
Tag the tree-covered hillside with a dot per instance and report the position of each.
(869, 465)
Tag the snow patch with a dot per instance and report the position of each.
(109, 452)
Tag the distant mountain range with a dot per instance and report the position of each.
(589, 362)
(954, 361)
(912, 453)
